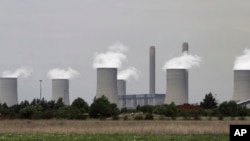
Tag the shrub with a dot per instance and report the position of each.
(242, 118)
(125, 117)
(149, 116)
(220, 117)
(139, 117)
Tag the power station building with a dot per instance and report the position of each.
(107, 84)
(177, 86)
(241, 93)
(131, 101)
(60, 89)
(8, 91)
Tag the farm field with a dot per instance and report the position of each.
(153, 130)
(142, 127)
(113, 137)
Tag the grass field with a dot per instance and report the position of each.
(114, 137)
(154, 127)
(109, 130)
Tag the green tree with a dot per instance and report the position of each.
(228, 108)
(102, 108)
(59, 103)
(166, 110)
(31, 111)
(209, 102)
(146, 109)
(81, 105)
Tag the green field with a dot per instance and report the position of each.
(113, 137)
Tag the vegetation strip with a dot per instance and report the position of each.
(113, 137)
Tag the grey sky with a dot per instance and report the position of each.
(47, 34)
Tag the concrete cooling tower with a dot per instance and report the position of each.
(177, 86)
(8, 91)
(241, 85)
(152, 70)
(60, 89)
(121, 87)
(107, 84)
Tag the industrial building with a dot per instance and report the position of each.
(107, 84)
(241, 93)
(60, 89)
(177, 83)
(241, 85)
(131, 101)
(8, 91)
(177, 86)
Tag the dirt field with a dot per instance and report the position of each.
(116, 127)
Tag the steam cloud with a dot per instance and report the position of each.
(243, 62)
(113, 58)
(186, 61)
(20, 72)
(126, 74)
(62, 74)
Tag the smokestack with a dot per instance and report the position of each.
(152, 70)
(185, 47)
(8, 91)
(241, 85)
(177, 86)
(107, 84)
(60, 89)
(121, 87)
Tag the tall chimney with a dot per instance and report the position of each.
(152, 70)
(185, 47)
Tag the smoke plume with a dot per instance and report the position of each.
(186, 61)
(62, 74)
(113, 58)
(128, 73)
(243, 62)
(20, 72)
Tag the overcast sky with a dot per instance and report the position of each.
(47, 34)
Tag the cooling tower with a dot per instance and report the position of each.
(185, 47)
(60, 89)
(177, 86)
(8, 91)
(241, 85)
(152, 70)
(121, 87)
(107, 84)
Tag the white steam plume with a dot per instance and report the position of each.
(20, 72)
(186, 61)
(243, 62)
(126, 74)
(62, 74)
(113, 58)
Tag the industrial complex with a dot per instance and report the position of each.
(114, 89)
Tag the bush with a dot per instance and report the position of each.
(149, 116)
(220, 117)
(115, 117)
(242, 118)
(125, 117)
(139, 117)
(101, 107)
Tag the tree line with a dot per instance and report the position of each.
(101, 108)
